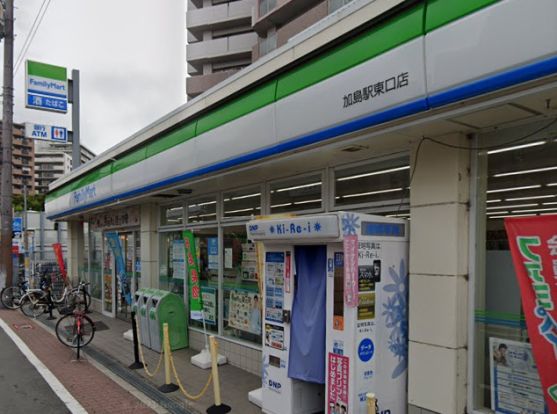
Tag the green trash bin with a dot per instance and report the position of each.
(166, 307)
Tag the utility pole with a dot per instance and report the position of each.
(74, 100)
(6, 264)
(25, 233)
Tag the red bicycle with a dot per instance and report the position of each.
(75, 330)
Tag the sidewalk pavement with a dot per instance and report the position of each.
(94, 390)
(110, 349)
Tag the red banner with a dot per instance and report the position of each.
(533, 243)
(60, 259)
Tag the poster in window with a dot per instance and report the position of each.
(213, 252)
(244, 311)
(515, 382)
(179, 259)
(209, 300)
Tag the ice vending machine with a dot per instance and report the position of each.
(335, 306)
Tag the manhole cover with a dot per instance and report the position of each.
(21, 326)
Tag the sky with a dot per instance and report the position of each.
(130, 55)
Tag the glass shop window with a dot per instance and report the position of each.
(241, 286)
(382, 184)
(207, 250)
(171, 274)
(202, 210)
(517, 180)
(96, 262)
(172, 215)
(296, 194)
(242, 203)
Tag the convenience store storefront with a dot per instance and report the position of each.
(390, 119)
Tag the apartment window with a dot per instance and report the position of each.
(296, 194)
(268, 44)
(334, 5)
(265, 6)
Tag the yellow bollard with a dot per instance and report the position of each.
(218, 407)
(371, 403)
(168, 386)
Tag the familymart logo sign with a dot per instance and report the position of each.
(533, 244)
(46, 87)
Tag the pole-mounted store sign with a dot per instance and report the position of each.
(46, 132)
(46, 87)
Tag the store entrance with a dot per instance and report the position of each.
(121, 272)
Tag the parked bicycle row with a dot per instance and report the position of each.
(74, 329)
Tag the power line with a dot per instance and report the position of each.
(32, 32)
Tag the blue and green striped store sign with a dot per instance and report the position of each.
(398, 29)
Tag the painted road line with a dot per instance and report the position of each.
(73, 405)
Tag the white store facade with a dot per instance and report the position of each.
(427, 110)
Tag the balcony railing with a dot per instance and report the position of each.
(216, 48)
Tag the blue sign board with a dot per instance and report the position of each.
(47, 102)
(17, 225)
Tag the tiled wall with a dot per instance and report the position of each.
(240, 356)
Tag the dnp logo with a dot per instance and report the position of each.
(366, 350)
(275, 386)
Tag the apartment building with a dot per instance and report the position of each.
(220, 41)
(226, 36)
(23, 161)
(53, 160)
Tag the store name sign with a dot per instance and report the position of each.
(376, 90)
(84, 195)
(294, 228)
(116, 219)
(46, 87)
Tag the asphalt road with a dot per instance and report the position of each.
(22, 389)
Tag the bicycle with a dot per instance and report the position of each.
(75, 330)
(11, 296)
(38, 301)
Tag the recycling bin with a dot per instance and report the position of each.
(166, 307)
(142, 298)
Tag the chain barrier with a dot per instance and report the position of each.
(182, 389)
(159, 364)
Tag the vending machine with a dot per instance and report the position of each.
(335, 306)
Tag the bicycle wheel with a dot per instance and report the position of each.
(78, 299)
(33, 305)
(66, 330)
(11, 297)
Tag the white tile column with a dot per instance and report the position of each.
(149, 246)
(438, 276)
(76, 251)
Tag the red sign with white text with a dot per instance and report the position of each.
(337, 390)
(533, 243)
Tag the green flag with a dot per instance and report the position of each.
(193, 275)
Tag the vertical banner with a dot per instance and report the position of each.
(193, 275)
(533, 244)
(350, 245)
(57, 247)
(116, 247)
